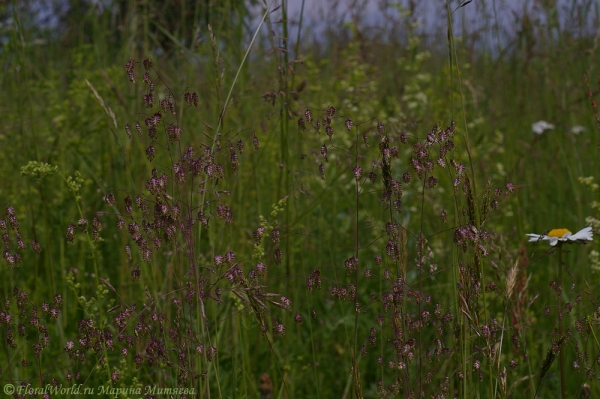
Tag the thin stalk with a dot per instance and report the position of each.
(421, 238)
(284, 124)
(453, 55)
(355, 374)
(237, 73)
(526, 350)
(563, 394)
(314, 354)
(87, 233)
(459, 315)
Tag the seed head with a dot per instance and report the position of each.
(391, 249)
(260, 269)
(258, 234)
(322, 171)
(387, 155)
(431, 182)
(82, 223)
(71, 233)
(329, 132)
(129, 67)
(203, 219)
(225, 213)
(255, 142)
(278, 256)
(36, 246)
(192, 99)
(301, 124)
(398, 205)
(357, 172)
(174, 133)
(110, 200)
(308, 115)
(148, 100)
(324, 151)
(150, 153)
(351, 264)
(278, 329)
(275, 236)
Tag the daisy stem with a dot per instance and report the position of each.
(560, 325)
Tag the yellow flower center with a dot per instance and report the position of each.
(558, 233)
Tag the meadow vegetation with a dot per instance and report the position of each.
(206, 196)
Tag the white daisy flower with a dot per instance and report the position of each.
(577, 129)
(563, 235)
(541, 126)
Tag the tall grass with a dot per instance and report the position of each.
(287, 217)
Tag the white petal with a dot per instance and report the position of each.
(540, 126)
(537, 129)
(584, 234)
(534, 237)
(554, 240)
